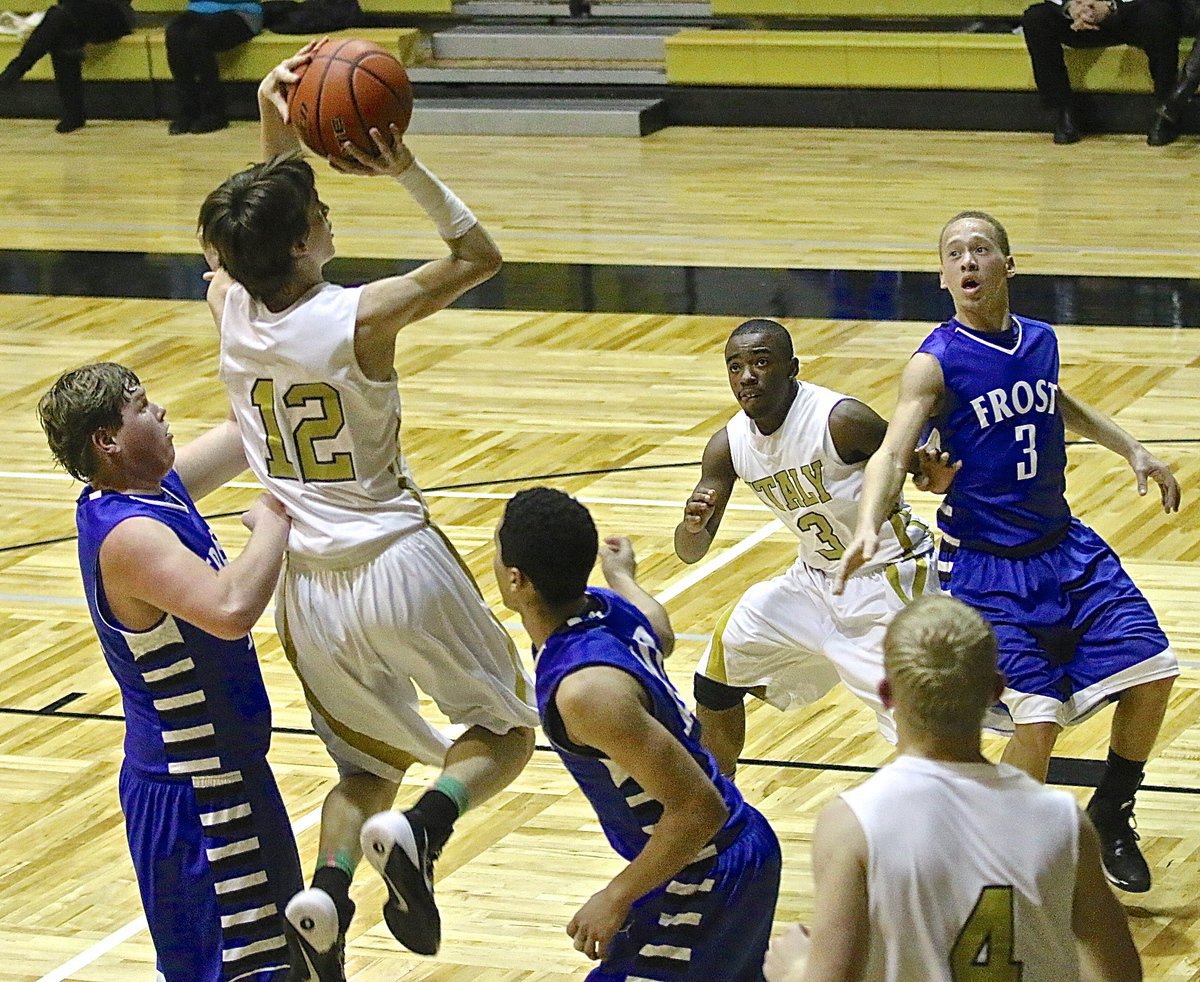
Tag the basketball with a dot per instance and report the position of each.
(349, 87)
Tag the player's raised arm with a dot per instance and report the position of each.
(605, 708)
(1098, 920)
(705, 508)
(1090, 423)
(841, 922)
(920, 390)
(389, 304)
(620, 571)
(212, 459)
(148, 570)
(276, 135)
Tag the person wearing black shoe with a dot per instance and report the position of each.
(193, 40)
(944, 865)
(695, 901)
(374, 601)
(1170, 113)
(1152, 25)
(62, 33)
(209, 835)
(1075, 631)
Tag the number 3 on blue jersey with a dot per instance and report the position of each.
(1027, 468)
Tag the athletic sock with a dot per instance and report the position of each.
(439, 808)
(335, 881)
(1121, 779)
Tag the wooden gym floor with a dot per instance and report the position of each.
(495, 397)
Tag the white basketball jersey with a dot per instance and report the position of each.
(971, 867)
(798, 474)
(318, 434)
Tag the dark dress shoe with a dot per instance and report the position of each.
(69, 124)
(209, 123)
(1162, 131)
(1066, 130)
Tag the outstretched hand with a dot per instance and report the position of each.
(273, 89)
(787, 957)
(1148, 467)
(597, 922)
(935, 472)
(698, 510)
(617, 558)
(392, 160)
(857, 554)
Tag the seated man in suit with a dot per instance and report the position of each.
(1152, 25)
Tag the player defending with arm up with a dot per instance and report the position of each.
(210, 838)
(696, 900)
(374, 601)
(1074, 630)
(801, 448)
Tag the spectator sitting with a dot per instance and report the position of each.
(62, 33)
(1152, 25)
(193, 40)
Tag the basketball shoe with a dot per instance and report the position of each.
(316, 944)
(397, 845)
(1124, 865)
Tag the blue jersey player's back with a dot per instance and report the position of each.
(615, 633)
(1000, 417)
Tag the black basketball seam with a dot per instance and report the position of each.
(317, 108)
(384, 82)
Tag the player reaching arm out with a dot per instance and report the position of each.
(619, 566)
(1093, 425)
(920, 391)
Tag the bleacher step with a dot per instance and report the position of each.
(541, 74)
(613, 9)
(542, 117)
(549, 43)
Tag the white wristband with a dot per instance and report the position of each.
(452, 218)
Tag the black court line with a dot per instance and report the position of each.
(560, 475)
(838, 294)
(1068, 771)
(60, 702)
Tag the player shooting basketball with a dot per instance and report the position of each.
(374, 598)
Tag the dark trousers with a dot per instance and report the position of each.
(66, 28)
(1152, 25)
(193, 41)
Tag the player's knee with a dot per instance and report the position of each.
(717, 696)
(1040, 735)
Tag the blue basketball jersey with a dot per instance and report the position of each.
(1000, 417)
(194, 704)
(614, 632)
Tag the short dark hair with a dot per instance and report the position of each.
(983, 216)
(81, 402)
(551, 538)
(255, 217)
(764, 325)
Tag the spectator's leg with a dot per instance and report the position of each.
(1183, 93)
(220, 32)
(183, 52)
(1046, 31)
(1153, 26)
(57, 28)
(68, 79)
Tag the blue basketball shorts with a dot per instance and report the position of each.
(711, 922)
(1074, 631)
(216, 864)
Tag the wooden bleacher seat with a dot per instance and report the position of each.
(251, 61)
(124, 60)
(870, 8)
(891, 60)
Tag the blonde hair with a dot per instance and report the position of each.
(940, 657)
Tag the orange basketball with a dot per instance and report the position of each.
(349, 87)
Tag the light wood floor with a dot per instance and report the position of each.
(493, 397)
